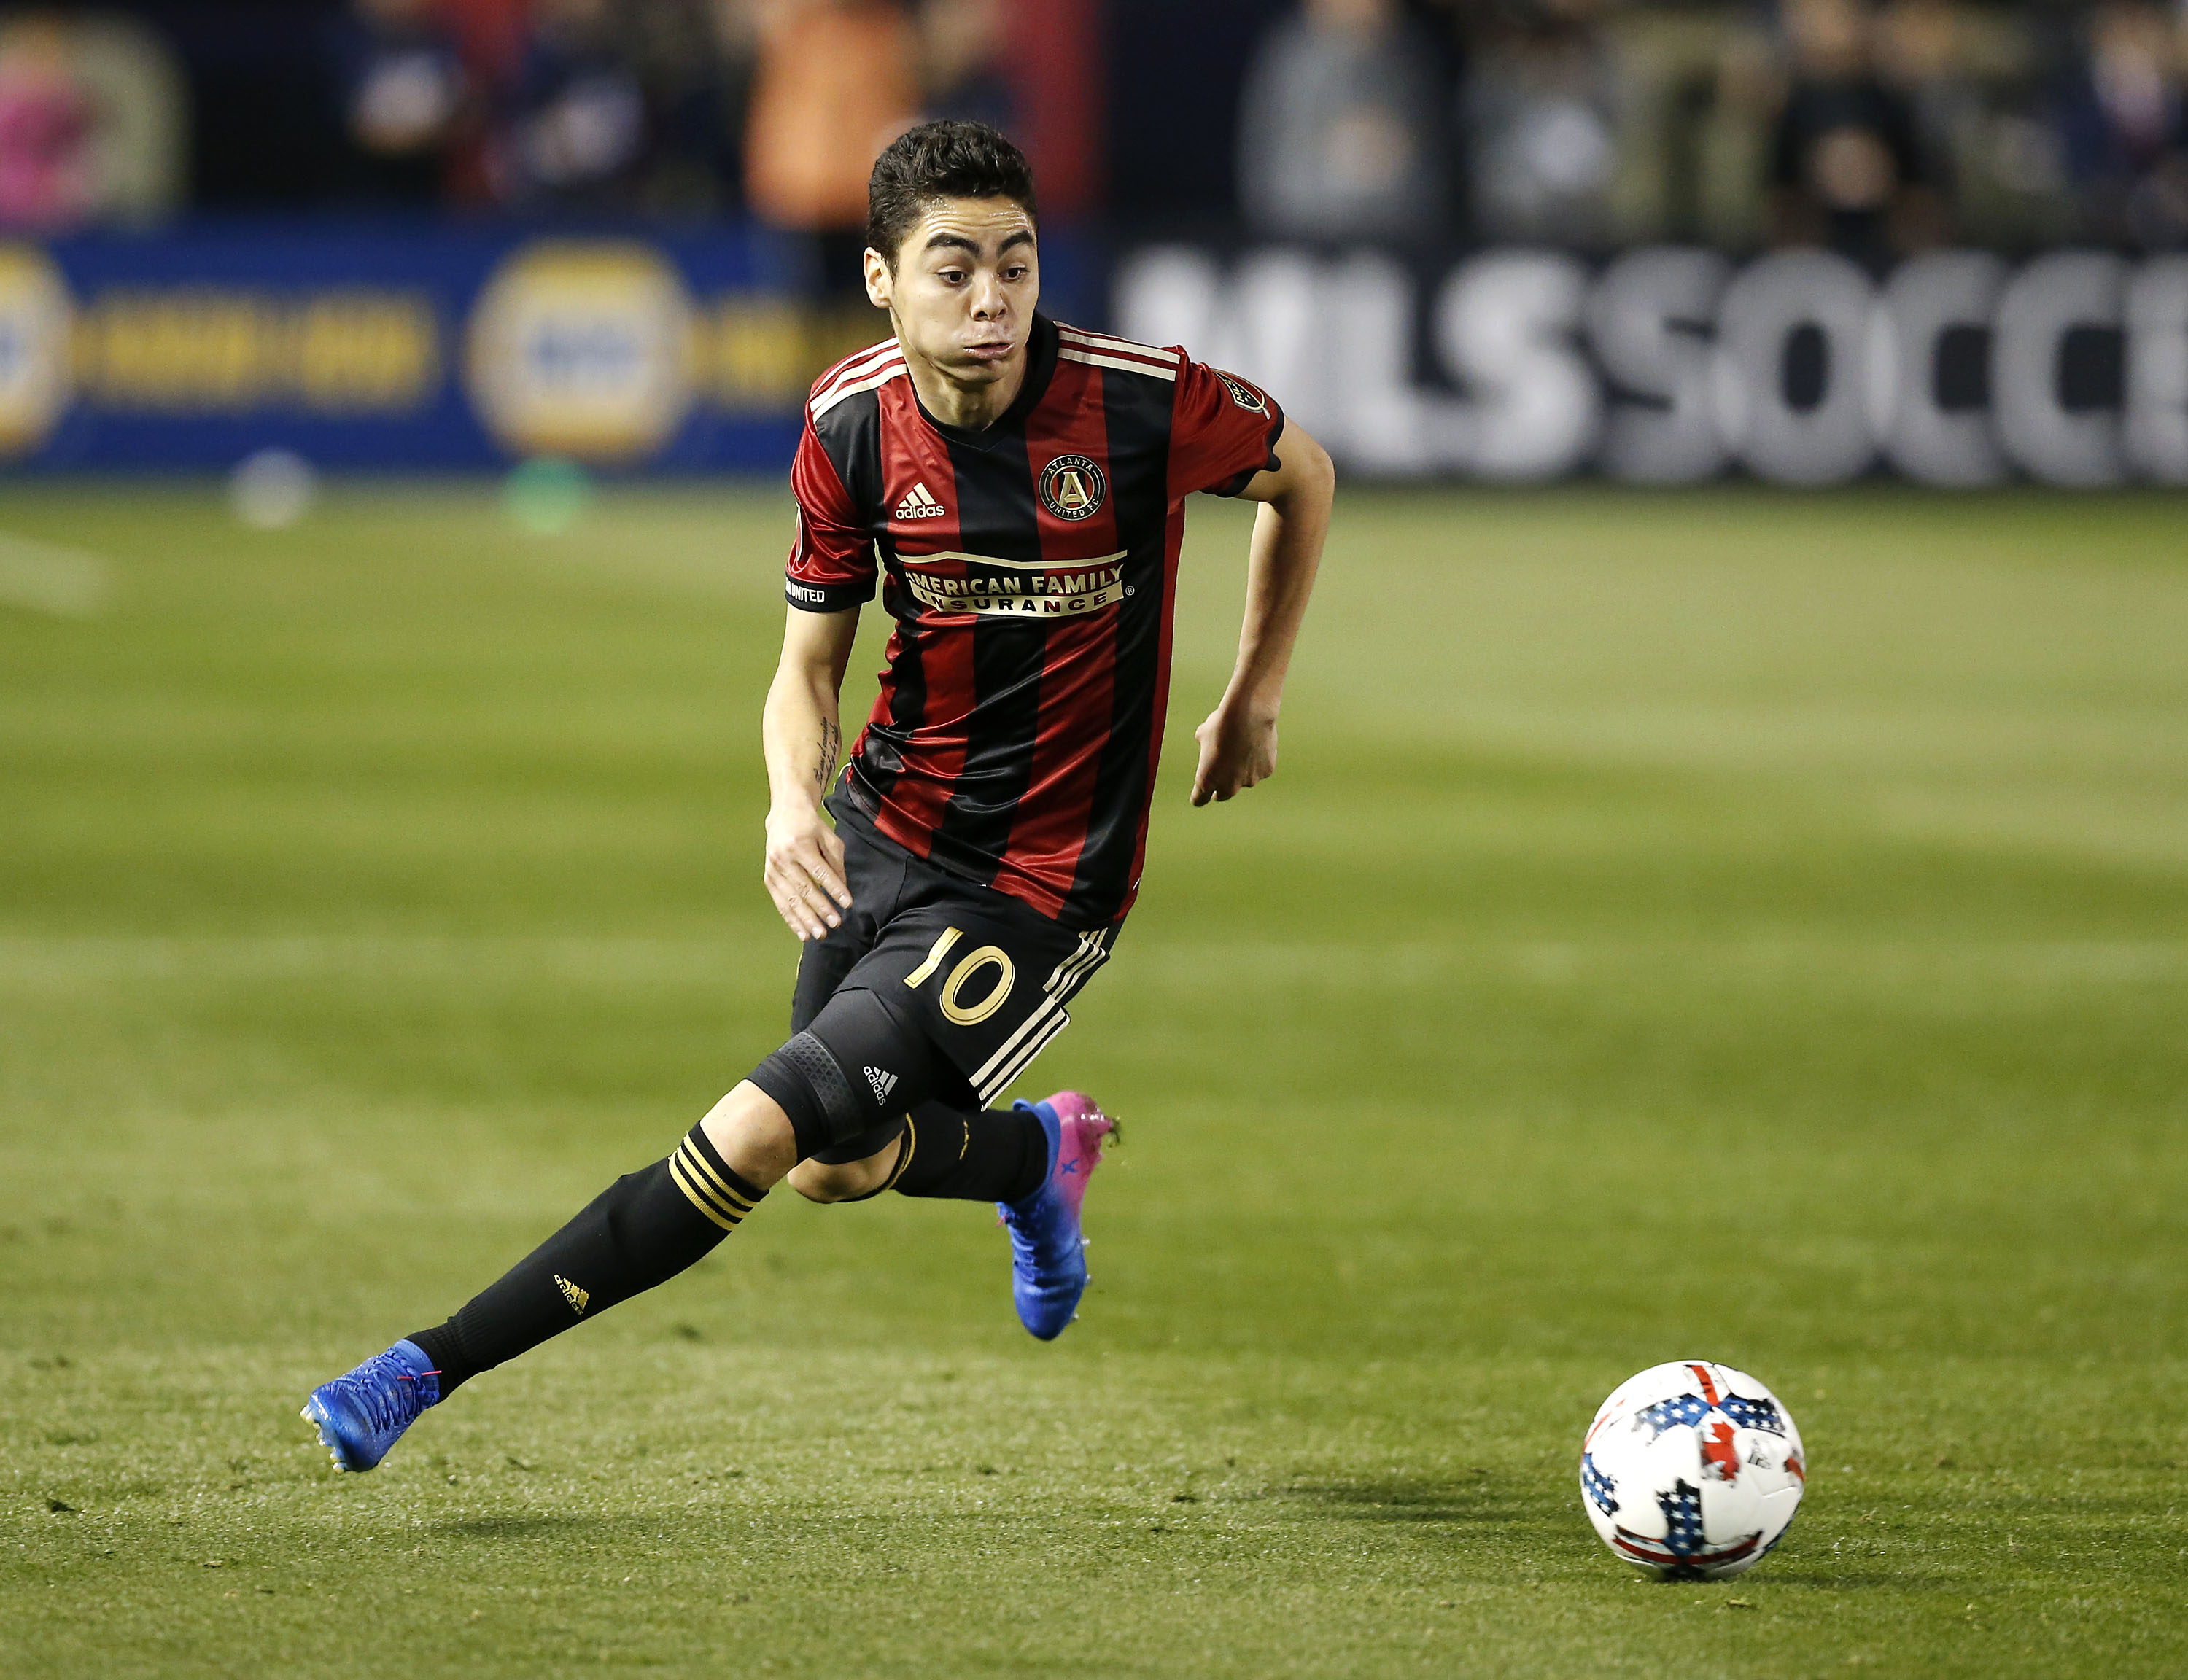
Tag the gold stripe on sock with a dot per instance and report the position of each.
(696, 1168)
(712, 1182)
(697, 1193)
(707, 1175)
(695, 1197)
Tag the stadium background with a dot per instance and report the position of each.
(400, 234)
(1746, 921)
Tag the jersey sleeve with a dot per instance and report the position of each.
(831, 563)
(1223, 431)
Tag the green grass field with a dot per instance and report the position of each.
(1733, 925)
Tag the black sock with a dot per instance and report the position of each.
(642, 1229)
(1001, 1155)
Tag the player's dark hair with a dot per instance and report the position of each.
(947, 160)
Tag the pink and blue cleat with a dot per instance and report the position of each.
(1048, 1259)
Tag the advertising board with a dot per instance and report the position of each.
(1675, 365)
(412, 348)
(421, 347)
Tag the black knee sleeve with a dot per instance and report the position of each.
(858, 1148)
(855, 1070)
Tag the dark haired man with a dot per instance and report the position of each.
(1021, 486)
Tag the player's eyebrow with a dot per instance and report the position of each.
(965, 242)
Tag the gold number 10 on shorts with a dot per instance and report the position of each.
(959, 1013)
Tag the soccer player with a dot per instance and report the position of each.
(1017, 486)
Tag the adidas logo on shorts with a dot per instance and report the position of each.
(920, 505)
(883, 1083)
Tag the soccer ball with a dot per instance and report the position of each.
(1692, 1470)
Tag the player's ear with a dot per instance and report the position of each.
(878, 278)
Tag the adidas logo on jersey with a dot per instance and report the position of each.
(883, 1083)
(578, 1298)
(920, 505)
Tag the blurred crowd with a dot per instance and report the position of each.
(649, 107)
(1877, 127)
(670, 106)
(1874, 128)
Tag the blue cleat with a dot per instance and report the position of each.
(362, 1415)
(1048, 1262)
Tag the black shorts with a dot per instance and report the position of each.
(982, 977)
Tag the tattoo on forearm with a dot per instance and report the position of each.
(831, 740)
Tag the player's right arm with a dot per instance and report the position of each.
(831, 574)
(802, 733)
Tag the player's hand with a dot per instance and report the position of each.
(804, 871)
(1238, 749)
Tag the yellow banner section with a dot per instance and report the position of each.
(209, 349)
(218, 350)
(762, 354)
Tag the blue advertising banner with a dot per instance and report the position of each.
(365, 347)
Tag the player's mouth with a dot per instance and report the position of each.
(990, 351)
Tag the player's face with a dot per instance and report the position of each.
(967, 279)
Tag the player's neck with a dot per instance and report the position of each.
(966, 405)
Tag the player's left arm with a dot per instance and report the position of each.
(1238, 742)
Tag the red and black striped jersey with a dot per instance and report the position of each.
(1031, 569)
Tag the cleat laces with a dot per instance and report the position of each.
(387, 1405)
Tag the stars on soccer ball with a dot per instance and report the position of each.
(1683, 1408)
(1600, 1487)
(1692, 1409)
(1682, 1519)
(1752, 1414)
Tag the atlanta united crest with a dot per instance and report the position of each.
(1073, 488)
